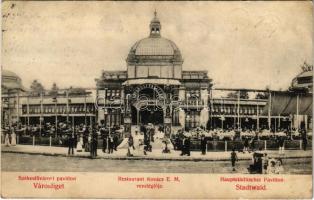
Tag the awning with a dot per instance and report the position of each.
(286, 104)
(161, 81)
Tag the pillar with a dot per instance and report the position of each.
(101, 115)
(101, 100)
(306, 122)
(127, 121)
(181, 93)
(167, 121)
(182, 117)
(204, 96)
(137, 117)
(204, 117)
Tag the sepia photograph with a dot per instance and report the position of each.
(157, 87)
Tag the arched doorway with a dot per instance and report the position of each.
(151, 114)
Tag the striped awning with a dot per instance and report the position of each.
(156, 81)
(286, 104)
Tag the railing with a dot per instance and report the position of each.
(239, 145)
(195, 144)
(47, 141)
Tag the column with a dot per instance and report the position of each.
(182, 93)
(182, 117)
(269, 111)
(167, 121)
(18, 107)
(127, 117)
(204, 116)
(204, 96)
(306, 122)
(27, 110)
(137, 117)
(101, 114)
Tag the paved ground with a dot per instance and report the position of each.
(155, 155)
(32, 163)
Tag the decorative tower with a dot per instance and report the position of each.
(155, 26)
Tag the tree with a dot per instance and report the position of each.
(263, 95)
(54, 90)
(36, 88)
(234, 95)
(76, 91)
(306, 67)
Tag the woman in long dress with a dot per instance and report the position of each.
(79, 144)
(7, 139)
(130, 146)
(13, 138)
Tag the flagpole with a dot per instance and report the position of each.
(257, 118)
(67, 97)
(238, 110)
(297, 113)
(27, 110)
(41, 112)
(269, 111)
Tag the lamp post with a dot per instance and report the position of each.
(27, 110)
(85, 119)
(238, 110)
(257, 117)
(297, 129)
(222, 118)
(108, 117)
(41, 113)
(67, 100)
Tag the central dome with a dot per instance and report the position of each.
(154, 57)
(155, 47)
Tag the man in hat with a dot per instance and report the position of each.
(115, 140)
(203, 144)
(304, 139)
(234, 158)
(187, 146)
(183, 151)
(104, 132)
(85, 132)
(94, 141)
(71, 139)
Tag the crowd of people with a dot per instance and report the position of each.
(248, 140)
(87, 138)
(77, 138)
(241, 134)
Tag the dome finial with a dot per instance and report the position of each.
(155, 26)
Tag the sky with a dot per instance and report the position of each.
(240, 44)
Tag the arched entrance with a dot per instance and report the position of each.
(148, 107)
(147, 114)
